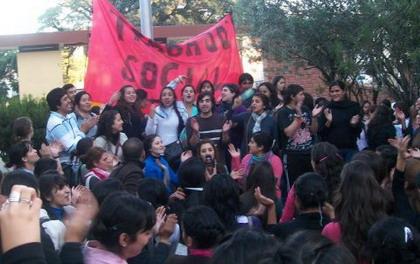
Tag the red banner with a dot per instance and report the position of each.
(119, 54)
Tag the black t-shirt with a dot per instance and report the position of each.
(302, 140)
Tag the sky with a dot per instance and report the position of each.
(21, 16)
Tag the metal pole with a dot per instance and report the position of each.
(146, 18)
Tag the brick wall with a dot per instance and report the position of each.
(309, 78)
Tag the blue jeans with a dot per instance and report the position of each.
(347, 154)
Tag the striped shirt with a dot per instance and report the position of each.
(63, 129)
(210, 128)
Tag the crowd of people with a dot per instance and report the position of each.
(261, 174)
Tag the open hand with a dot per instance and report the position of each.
(237, 174)
(263, 199)
(186, 155)
(317, 111)
(227, 126)
(328, 114)
(400, 143)
(234, 153)
(194, 125)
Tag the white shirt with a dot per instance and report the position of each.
(165, 124)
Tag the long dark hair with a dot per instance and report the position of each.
(222, 194)
(122, 213)
(328, 163)
(126, 109)
(201, 84)
(360, 203)
(21, 128)
(106, 120)
(181, 124)
(393, 240)
(261, 175)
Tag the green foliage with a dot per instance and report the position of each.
(342, 38)
(8, 73)
(76, 14)
(36, 110)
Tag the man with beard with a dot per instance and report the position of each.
(207, 125)
(62, 126)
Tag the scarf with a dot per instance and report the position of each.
(258, 119)
(165, 171)
(255, 159)
(101, 174)
(208, 253)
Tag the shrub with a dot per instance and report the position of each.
(36, 109)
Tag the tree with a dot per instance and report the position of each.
(392, 50)
(76, 14)
(342, 38)
(8, 73)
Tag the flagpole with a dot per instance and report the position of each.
(146, 18)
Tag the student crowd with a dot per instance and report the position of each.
(263, 174)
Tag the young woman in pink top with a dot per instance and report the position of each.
(259, 150)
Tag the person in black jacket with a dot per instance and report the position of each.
(340, 123)
(127, 105)
(311, 193)
(202, 232)
(130, 171)
(380, 127)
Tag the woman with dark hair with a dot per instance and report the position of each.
(99, 162)
(392, 240)
(261, 175)
(22, 129)
(126, 104)
(327, 162)
(359, 204)
(246, 246)
(83, 112)
(206, 86)
(123, 228)
(109, 135)
(406, 183)
(267, 89)
(207, 152)
(311, 194)
(297, 126)
(279, 84)
(202, 231)
(258, 120)
(380, 127)
(366, 115)
(312, 247)
(55, 195)
(167, 122)
(222, 194)
(192, 178)
(156, 165)
(377, 164)
(259, 150)
(188, 100)
(22, 156)
(340, 124)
